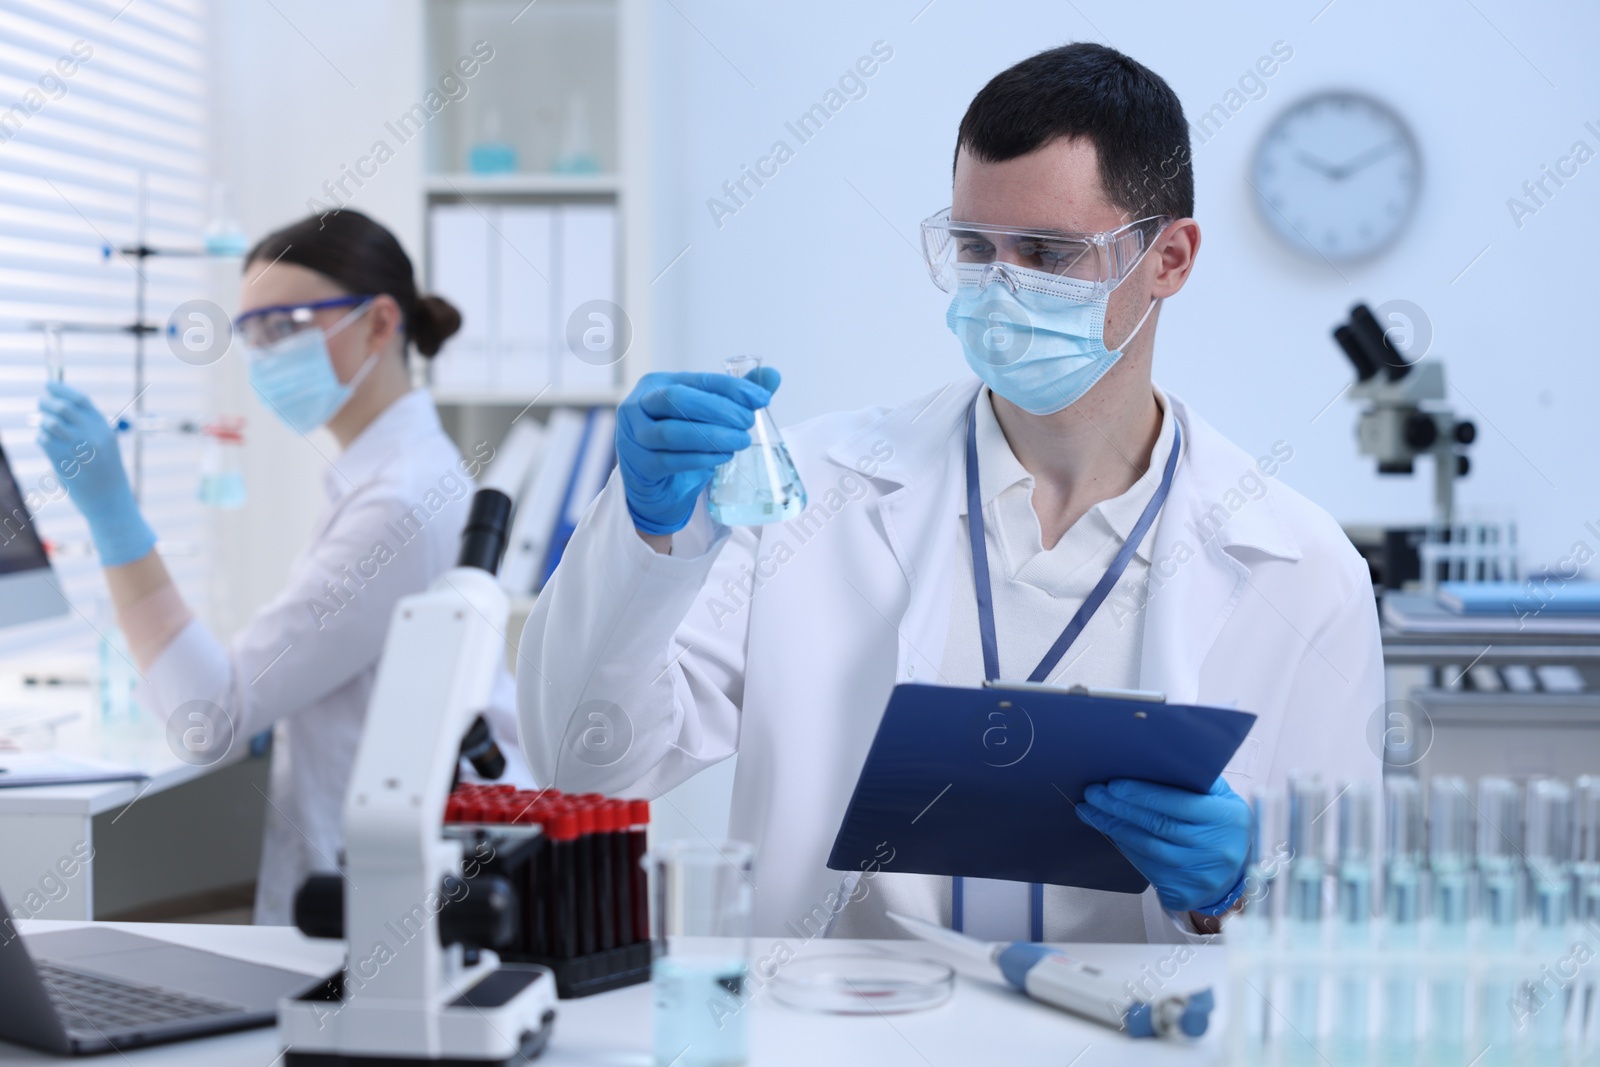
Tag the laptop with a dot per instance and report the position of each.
(97, 989)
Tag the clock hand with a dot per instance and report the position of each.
(1309, 160)
(1370, 156)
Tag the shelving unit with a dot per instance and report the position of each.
(546, 56)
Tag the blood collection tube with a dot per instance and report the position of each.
(639, 820)
(562, 891)
(621, 876)
(536, 909)
(605, 892)
(583, 864)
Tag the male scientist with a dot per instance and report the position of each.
(666, 642)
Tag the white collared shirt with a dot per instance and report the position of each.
(1036, 591)
(305, 664)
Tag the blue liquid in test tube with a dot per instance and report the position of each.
(1354, 932)
(1307, 802)
(1500, 906)
(1548, 853)
(1449, 866)
(1586, 904)
(1402, 905)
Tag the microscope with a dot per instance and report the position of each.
(420, 913)
(1405, 415)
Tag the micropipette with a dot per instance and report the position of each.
(1051, 976)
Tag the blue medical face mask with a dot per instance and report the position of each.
(295, 376)
(1034, 338)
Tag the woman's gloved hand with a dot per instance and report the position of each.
(1192, 846)
(82, 447)
(674, 430)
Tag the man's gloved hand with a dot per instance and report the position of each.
(1192, 846)
(82, 447)
(674, 430)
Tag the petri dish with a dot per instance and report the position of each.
(863, 985)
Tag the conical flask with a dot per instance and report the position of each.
(760, 484)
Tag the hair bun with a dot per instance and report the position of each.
(433, 320)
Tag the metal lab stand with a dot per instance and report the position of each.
(1449, 725)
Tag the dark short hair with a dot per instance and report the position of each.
(363, 258)
(1088, 90)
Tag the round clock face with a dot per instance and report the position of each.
(1337, 174)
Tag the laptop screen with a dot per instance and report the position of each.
(20, 548)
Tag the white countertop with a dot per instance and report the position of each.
(66, 719)
(985, 1022)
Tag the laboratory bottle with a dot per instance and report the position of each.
(759, 485)
(222, 466)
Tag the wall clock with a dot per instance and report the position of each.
(1337, 175)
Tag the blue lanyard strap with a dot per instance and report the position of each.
(1096, 597)
(1091, 604)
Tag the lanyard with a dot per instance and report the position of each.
(1091, 604)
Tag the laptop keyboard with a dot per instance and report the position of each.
(93, 1002)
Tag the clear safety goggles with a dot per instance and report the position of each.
(263, 327)
(965, 253)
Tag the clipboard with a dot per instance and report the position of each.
(983, 783)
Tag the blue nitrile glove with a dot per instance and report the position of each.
(82, 448)
(674, 430)
(1192, 846)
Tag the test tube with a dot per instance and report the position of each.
(563, 932)
(1449, 861)
(638, 832)
(1402, 901)
(1355, 856)
(1264, 870)
(621, 876)
(583, 866)
(1548, 852)
(1256, 925)
(605, 896)
(1354, 903)
(1500, 904)
(1586, 900)
(1307, 801)
(55, 353)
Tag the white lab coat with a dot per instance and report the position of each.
(397, 499)
(639, 669)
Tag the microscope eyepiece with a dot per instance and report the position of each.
(483, 540)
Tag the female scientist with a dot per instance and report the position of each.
(328, 308)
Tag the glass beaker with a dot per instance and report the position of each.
(760, 484)
(700, 911)
(222, 465)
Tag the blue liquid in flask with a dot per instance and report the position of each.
(759, 485)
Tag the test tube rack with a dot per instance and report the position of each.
(575, 862)
(1485, 963)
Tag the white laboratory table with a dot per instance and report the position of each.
(46, 828)
(985, 1022)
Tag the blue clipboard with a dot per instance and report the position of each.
(982, 783)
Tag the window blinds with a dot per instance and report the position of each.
(99, 99)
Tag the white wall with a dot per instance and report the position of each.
(819, 272)
(303, 88)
